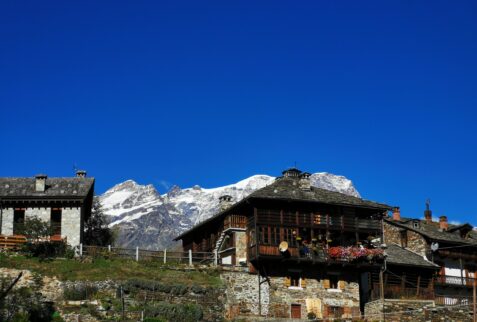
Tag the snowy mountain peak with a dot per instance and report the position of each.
(150, 220)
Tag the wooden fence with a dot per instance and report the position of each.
(137, 254)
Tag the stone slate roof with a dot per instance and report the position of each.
(289, 189)
(401, 256)
(286, 188)
(432, 231)
(24, 188)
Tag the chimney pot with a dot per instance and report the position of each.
(428, 212)
(40, 182)
(305, 183)
(225, 202)
(81, 174)
(443, 224)
(396, 213)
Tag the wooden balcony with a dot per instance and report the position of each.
(235, 221)
(319, 255)
(454, 281)
(320, 221)
(402, 293)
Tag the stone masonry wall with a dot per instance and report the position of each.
(240, 246)
(415, 311)
(415, 242)
(242, 294)
(277, 298)
(44, 214)
(313, 298)
(70, 221)
(7, 221)
(71, 225)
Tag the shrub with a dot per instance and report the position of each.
(79, 292)
(48, 249)
(175, 312)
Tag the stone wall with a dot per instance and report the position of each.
(44, 214)
(7, 221)
(71, 225)
(415, 241)
(415, 311)
(71, 222)
(277, 298)
(242, 294)
(240, 247)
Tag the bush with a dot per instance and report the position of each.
(79, 292)
(48, 249)
(175, 312)
(153, 286)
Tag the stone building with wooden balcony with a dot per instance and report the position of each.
(452, 247)
(65, 203)
(296, 249)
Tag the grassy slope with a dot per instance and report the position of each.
(106, 269)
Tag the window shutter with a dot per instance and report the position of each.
(303, 282)
(287, 281)
(341, 285)
(326, 283)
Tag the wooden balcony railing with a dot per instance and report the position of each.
(313, 254)
(402, 293)
(235, 221)
(455, 281)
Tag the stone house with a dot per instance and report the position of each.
(452, 247)
(64, 202)
(294, 249)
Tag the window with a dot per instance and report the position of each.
(403, 235)
(264, 235)
(289, 236)
(275, 235)
(334, 281)
(295, 281)
(18, 220)
(56, 221)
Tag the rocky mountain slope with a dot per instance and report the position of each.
(147, 219)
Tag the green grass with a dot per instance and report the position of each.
(110, 269)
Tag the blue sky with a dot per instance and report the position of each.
(210, 92)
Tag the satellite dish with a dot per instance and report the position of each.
(434, 246)
(283, 246)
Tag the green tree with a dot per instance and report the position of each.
(35, 229)
(96, 230)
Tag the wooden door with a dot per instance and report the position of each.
(296, 311)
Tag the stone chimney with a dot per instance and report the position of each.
(443, 224)
(225, 202)
(428, 212)
(40, 182)
(396, 213)
(81, 174)
(305, 182)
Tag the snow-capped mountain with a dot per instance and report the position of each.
(150, 220)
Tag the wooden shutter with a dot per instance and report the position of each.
(326, 283)
(303, 282)
(341, 285)
(287, 281)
